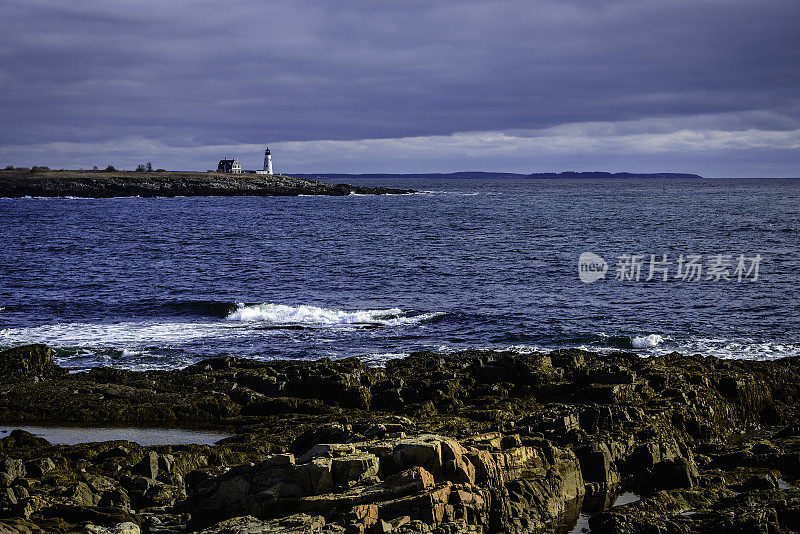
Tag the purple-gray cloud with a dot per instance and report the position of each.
(125, 81)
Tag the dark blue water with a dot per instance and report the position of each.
(162, 282)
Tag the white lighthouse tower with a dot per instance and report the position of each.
(267, 163)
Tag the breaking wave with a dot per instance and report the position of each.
(316, 316)
(646, 342)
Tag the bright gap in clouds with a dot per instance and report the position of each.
(624, 146)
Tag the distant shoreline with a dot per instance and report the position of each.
(100, 184)
(502, 175)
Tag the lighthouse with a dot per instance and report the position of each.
(267, 163)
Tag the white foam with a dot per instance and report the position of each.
(646, 342)
(140, 344)
(316, 316)
(126, 334)
(745, 348)
(380, 359)
(524, 349)
(453, 193)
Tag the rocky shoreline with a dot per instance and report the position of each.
(474, 441)
(100, 184)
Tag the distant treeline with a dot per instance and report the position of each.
(144, 167)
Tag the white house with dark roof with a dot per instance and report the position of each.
(229, 166)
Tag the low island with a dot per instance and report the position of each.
(42, 182)
(470, 442)
(572, 175)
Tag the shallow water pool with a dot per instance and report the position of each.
(142, 436)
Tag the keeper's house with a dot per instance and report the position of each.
(230, 166)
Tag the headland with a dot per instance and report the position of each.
(101, 184)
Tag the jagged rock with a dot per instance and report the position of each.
(672, 474)
(597, 465)
(80, 494)
(294, 524)
(39, 467)
(487, 441)
(115, 498)
(759, 482)
(14, 467)
(28, 362)
(410, 480)
(326, 450)
(382, 527)
(8, 498)
(166, 463)
(19, 526)
(146, 492)
(314, 477)
(327, 433)
(113, 452)
(353, 469)
(99, 483)
(21, 492)
(20, 439)
(365, 515)
(278, 460)
(424, 451)
(148, 466)
(122, 528)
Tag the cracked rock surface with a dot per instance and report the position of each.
(475, 441)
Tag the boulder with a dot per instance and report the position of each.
(28, 362)
(672, 474)
(424, 451)
(21, 439)
(326, 433)
(597, 465)
(115, 498)
(365, 515)
(760, 482)
(148, 466)
(326, 450)
(314, 477)
(81, 495)
(8, 499)
(121, 528)
(6, 480)
(354, 469)
(410, 480)
(39, 467)
(293, 524)
(114, 452)
(14, 467)
(277, 460)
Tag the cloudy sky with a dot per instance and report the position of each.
(707, 86)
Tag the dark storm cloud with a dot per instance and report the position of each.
(199, 73)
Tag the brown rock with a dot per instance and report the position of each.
(28, 362)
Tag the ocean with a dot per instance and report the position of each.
(157, 283)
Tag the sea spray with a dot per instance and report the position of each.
(316, 316)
